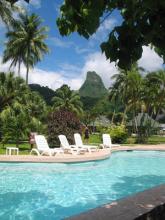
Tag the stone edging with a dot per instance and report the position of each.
(146, 205)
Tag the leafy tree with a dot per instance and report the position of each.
(128, 87)
(35, 104)
(44, 91)
(6, 12)
(143, 24)
(154, 94)
(14, 1)
(26, 42)
(89, 102)
(15, 122)
(62, 122)
(16, 101)
(67, 99)
(11, 88)
(115, 118)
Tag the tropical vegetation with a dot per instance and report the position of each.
(142, 23)
(64, 122)
(67, 99)
(21, 110)
(25, 43)
(130, 109)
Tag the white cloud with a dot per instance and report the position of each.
(108, 24)
(74, 76)
(59, 43)
(104, 29)
(52, 79)
(97, 62)
(36, 3)
(33, 3)
(80, 50)
(150, 60)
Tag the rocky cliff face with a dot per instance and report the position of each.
(93, 86)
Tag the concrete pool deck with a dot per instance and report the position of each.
(101, 154)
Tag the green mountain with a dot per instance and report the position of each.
(93, 86)
(92, 90)
(44, 91)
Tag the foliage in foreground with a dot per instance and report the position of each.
(143, 23)
(21, 111)
(62, 122)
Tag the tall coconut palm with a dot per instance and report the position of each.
(6, 12)
(128, 88)
(67, 99)
(154, 95)
(26, 42)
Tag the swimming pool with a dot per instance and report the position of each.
(54, 191)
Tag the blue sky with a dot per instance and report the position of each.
(71, 57)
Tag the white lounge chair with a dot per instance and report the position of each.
(107, 142)
(73, 149)
(79, 144)
(43, 147)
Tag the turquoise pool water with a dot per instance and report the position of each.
(54, 191)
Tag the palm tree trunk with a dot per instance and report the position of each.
(113, 115)
(19, 68)
(27, 74)
(124, 115)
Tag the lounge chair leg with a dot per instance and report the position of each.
(35, 151)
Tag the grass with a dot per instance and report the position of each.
(24, 148)
(156, 139)
(94, 139)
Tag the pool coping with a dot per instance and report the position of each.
(148, 204)
(101, 154)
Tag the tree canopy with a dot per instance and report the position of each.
(143, 24)
(65, 98)
(26, 42)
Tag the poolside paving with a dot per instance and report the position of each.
(146, 205)
(69, 158)
(58, 158)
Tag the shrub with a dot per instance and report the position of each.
(62, 122)
(118, 133)
(15, 121)
(131, 140)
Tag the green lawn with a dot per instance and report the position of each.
(155, 139)
(25, 148)
(94, 139)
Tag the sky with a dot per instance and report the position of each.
(71, 57)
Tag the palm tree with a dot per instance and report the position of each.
(26, 42)
(154, 96)
(67, 99)
(11, 88)
(128, 87)
(6, 12)
(15, 122)
(35, 104)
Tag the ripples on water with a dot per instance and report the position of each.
(53, 191)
